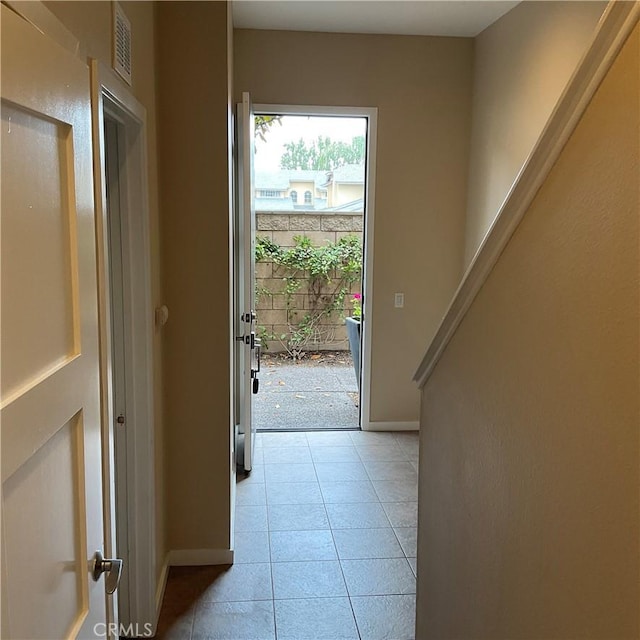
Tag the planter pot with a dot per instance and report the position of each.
(353, 333)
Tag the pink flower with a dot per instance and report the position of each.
(357, 296)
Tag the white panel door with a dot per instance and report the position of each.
(248, 344)
(49, 387)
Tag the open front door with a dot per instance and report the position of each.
(247, 343)
(52, 523)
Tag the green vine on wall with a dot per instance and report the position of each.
(325, 274)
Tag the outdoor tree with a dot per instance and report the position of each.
(323, 154)
(263, 124)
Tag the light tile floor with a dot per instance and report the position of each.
(325, 546)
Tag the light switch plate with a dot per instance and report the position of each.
(399, 300)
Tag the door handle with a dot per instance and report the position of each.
(111, 566)
(258, 347)
(255, 386)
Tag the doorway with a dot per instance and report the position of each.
(119, 313)
(126, 334)
(327, 195)
(310, 206)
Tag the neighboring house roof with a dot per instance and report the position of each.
(353, 173)
(281, 181)
(283, 178)
(354, 205)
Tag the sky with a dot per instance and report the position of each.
(267, 156)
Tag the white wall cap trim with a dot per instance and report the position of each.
(614, 27)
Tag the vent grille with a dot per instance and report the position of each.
(121, 43)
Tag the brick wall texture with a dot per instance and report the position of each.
(272, 311)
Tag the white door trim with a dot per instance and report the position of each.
(371, 113)
(110, 96)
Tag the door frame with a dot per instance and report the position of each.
(371, 114)
(138, 600)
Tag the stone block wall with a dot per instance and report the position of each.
(272, 311)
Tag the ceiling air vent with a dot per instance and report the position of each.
(121, 43)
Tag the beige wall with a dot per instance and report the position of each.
(347, 193)
(194, 141)
(529, 481)
(91, 23)
(522, 64)
(422, 89)
(300, 188)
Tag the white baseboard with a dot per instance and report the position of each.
(196, 557)
(162, 583)
(391, 426)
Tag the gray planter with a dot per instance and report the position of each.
(353, 333)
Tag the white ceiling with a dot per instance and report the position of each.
(418, 17)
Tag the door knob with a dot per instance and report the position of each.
(111, 566)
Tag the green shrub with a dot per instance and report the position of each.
(324, 273)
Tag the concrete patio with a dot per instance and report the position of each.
(308, 395)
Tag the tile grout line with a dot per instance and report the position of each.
(273, 586)
(331, 528)
(335, 546)
(191, 628)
